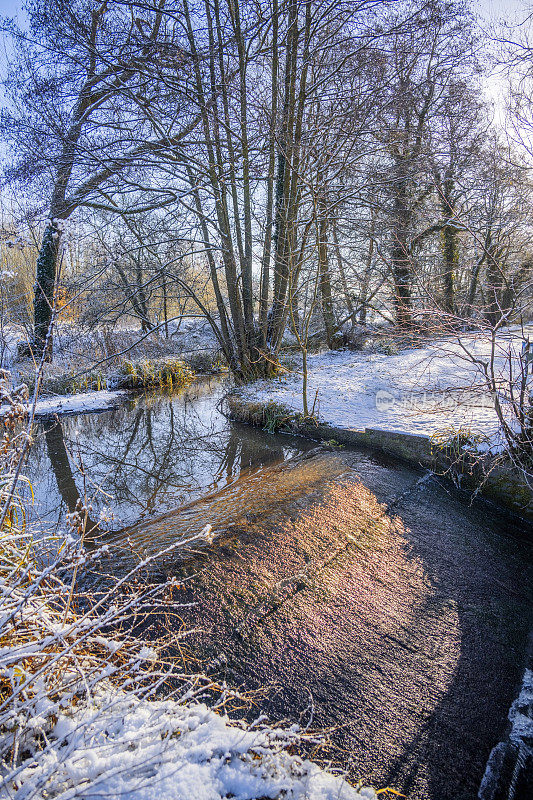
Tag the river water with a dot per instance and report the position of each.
(358, 594)
(147, 456)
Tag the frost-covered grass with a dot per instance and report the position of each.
(78, 714)
(117, 746)
(119, 358)
(75, 346)
(80, 707)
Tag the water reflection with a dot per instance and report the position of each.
(145, 458)
(60, 463)
(253, 495)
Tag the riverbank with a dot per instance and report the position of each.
(81, 403)
(426, 390)
(307, 598)
(116, 359)
(79, 714)
(370, 599)
(164, 373)
(429, 405)
(496, 480)
(65, 392)
(91, 703)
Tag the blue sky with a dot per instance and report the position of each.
(9, 8)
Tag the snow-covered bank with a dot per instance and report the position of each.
(424, 390)
(77, 346)
(510, 762)
(76, 403)
(121, 747)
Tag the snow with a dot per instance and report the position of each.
(420, 390)
(521, 712)
(118, 746)
(75, 404)
(74, 346)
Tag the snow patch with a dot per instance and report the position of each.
(121, 747)
(420, 390)
(75, 404)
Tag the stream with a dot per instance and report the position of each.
(355, 593)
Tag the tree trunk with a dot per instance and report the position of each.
(326, 297)
(165, 302)
(45, 282)
(287, 190)
(451, 259)
(474, 280)
(340, 266)
(283, 181)
(363, 299)
(495, 284)
(401, 257)
(402, 285)
(450, 248)
(295, 311)
(267, 245)
(142, 302)
(305, 404)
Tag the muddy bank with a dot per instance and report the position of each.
(376, 604)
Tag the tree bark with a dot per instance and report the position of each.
(401, 258)
(495, 285)
(450, 248)
(45, 283)
(326, 298)
(340, 266)
(267, 244)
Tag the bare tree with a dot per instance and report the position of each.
(425, 57)
(78, 89)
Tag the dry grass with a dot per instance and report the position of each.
(271, 417)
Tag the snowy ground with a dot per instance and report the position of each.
(121, 747)
(77, 348)
(424, 390)
(75, 404)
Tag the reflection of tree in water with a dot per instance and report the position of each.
(418, 648)
(153, 458)
(59, 460)
(244, 452)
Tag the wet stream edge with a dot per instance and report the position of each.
(509, 769)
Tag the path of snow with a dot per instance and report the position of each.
(424, 390)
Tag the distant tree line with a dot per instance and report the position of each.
(268, 165)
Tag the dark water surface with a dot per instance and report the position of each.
(365, 595)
